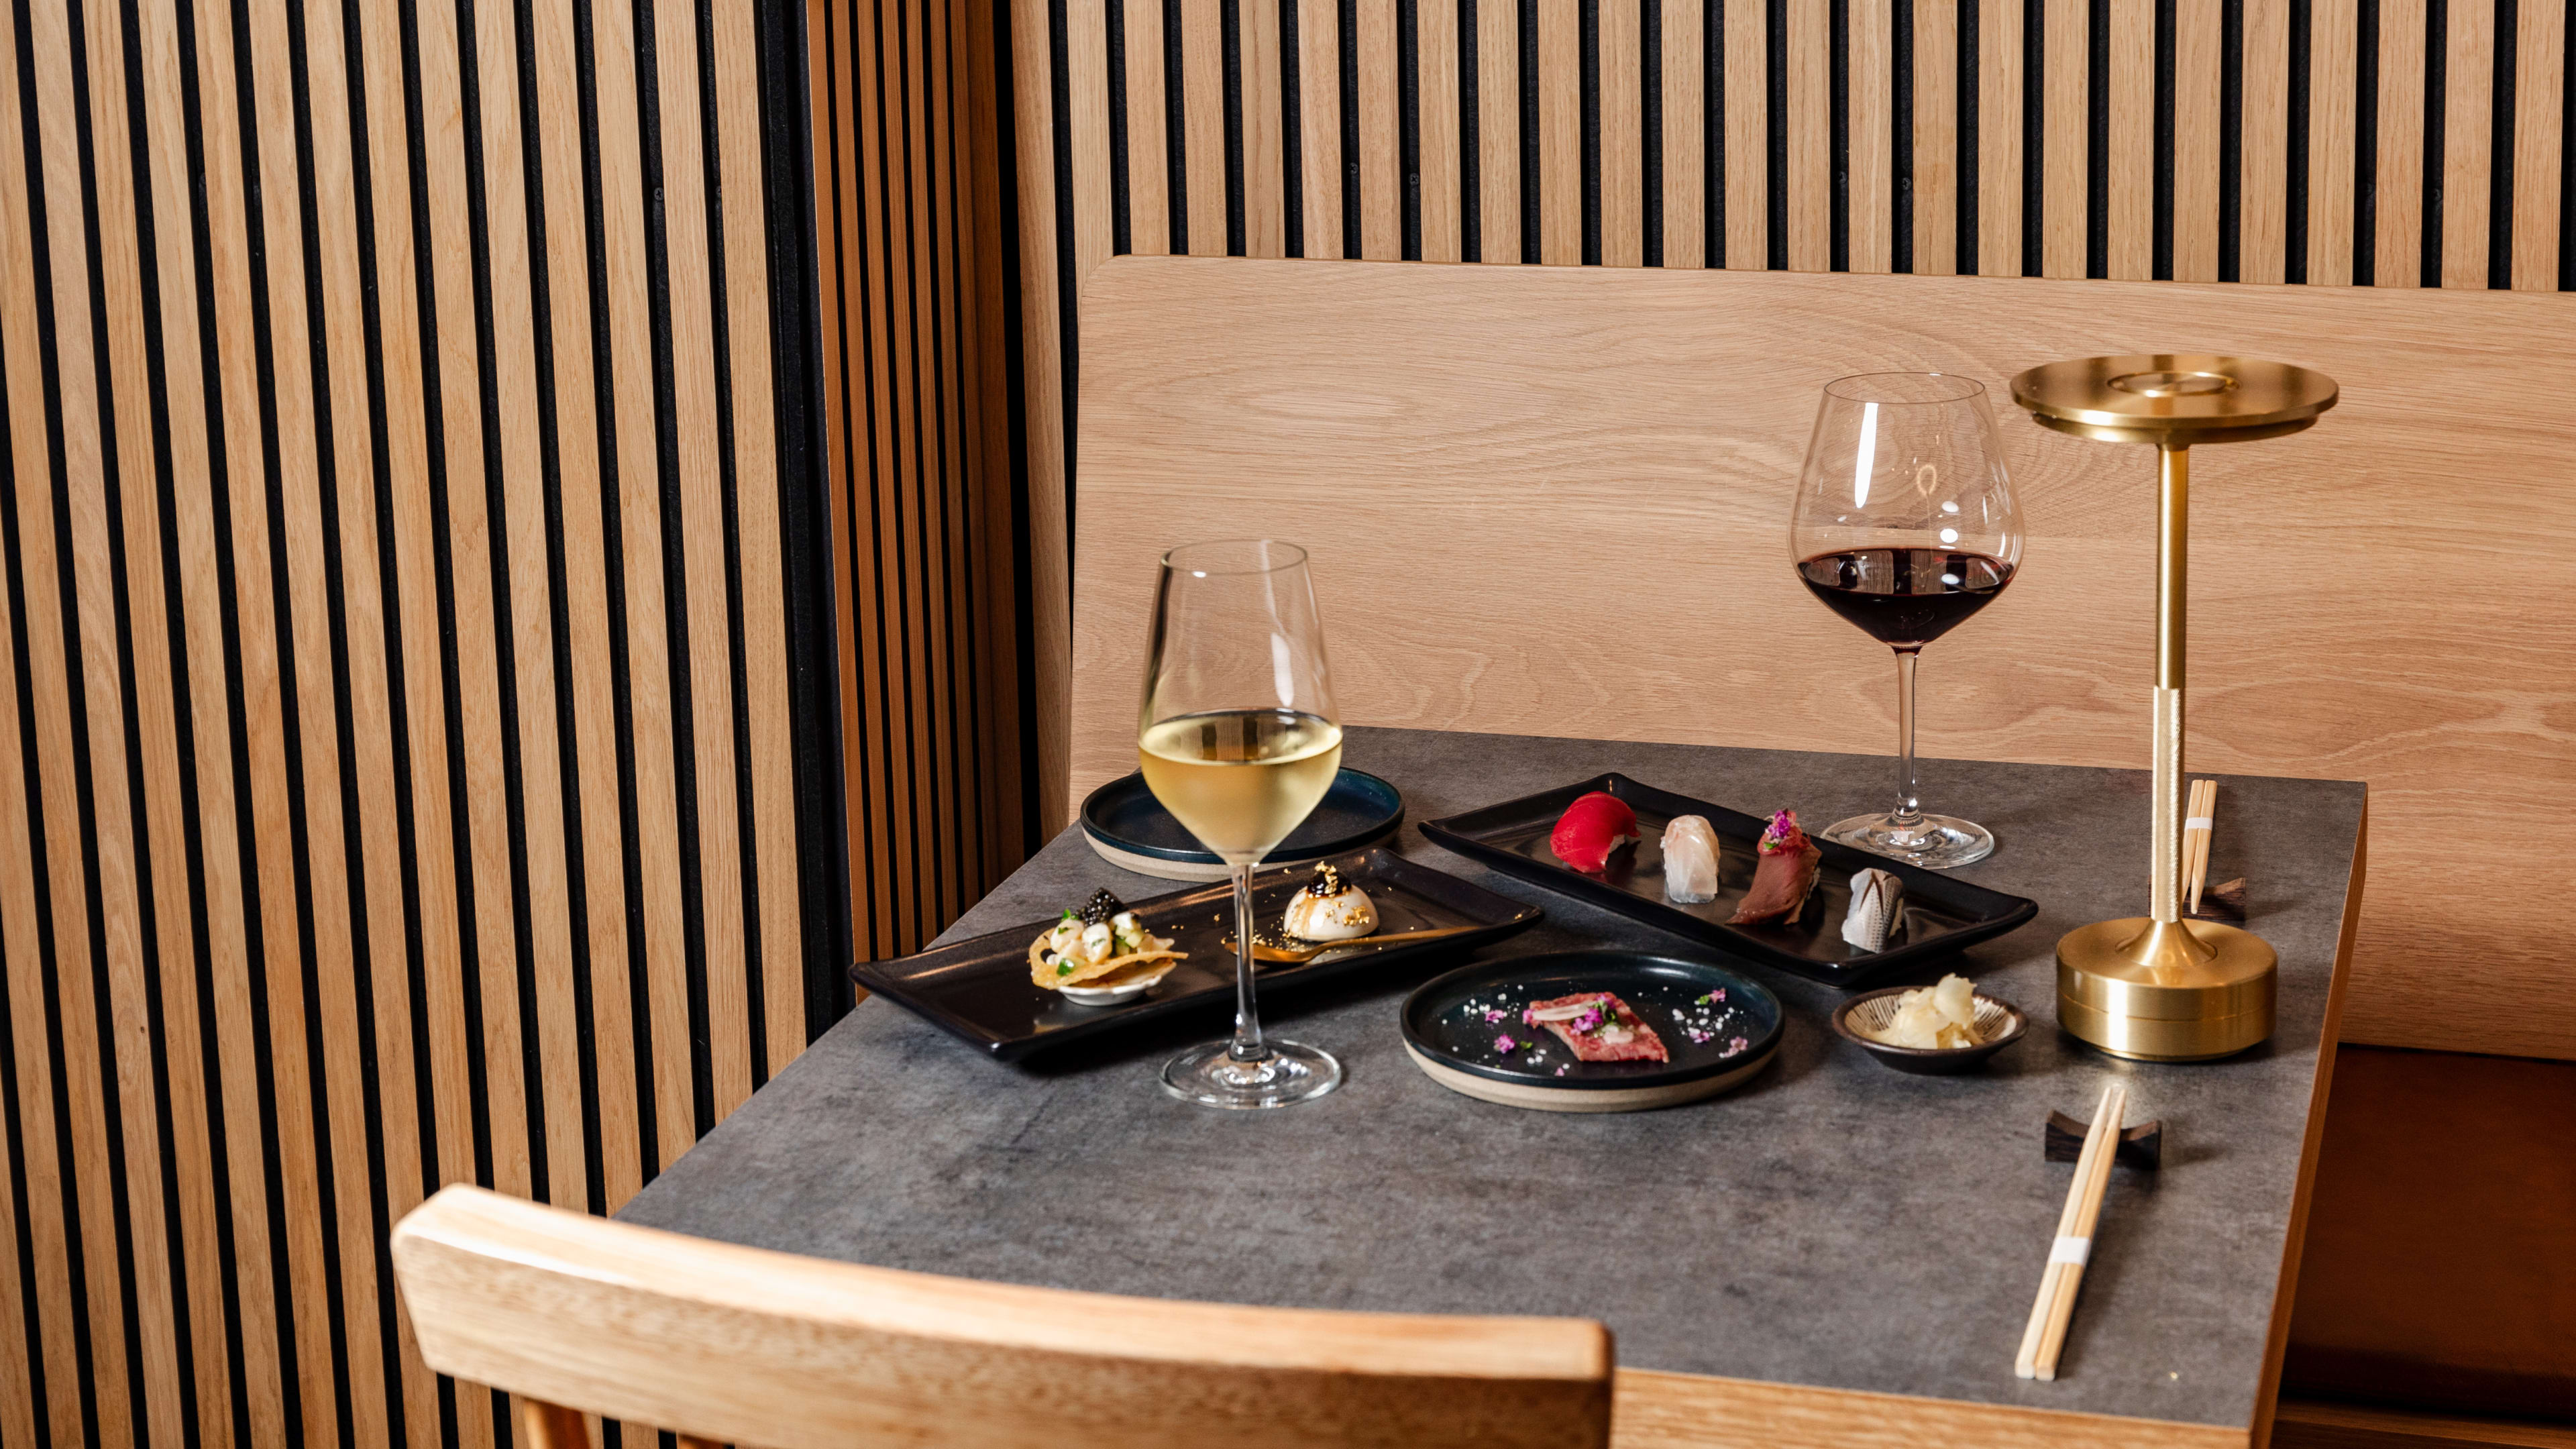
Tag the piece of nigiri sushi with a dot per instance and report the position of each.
(1690, 860)
(1782, 875)
(1591, 829)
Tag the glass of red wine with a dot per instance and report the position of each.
(1906, 525)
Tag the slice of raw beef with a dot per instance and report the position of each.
(1597, 1027)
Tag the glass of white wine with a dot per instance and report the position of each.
(1238, 738)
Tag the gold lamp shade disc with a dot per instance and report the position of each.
(2176, 399)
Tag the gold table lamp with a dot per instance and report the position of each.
(2159, 987)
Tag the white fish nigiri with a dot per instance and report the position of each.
(1877, 909)
(1690, 860)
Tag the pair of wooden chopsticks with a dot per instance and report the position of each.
(2051, 1311)
(2198, 818)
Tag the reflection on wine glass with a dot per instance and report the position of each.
(1239, 740)
(1905, 525)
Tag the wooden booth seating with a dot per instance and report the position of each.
(584, 1316)
(1555, 500)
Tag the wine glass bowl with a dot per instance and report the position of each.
(1237, 736)
(1906, 526)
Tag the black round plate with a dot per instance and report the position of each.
(1359, 809)
(1451, 1020)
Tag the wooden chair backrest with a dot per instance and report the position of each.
(1555, 500)
(730, 1343)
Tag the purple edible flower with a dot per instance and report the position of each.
(1737, 1045)
(1504, 1044)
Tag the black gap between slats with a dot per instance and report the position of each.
(2437, 81)
(1531, 179)
(1230, 23)
(1349, 51)
(2097, 139)
(2500, 144)
(2160, 265)
(1901, 137)
(2567, 166)
(1121, 206)
(1292, 160)
(1775, 36)
(1471, 134)
(2365, 146)
(1713, 130)
(2034, 134)
(1588, 52)
(1408, 121)
(2294, 260)
(1969, 180)
(1838, 128)
(1176, 131)
(1650, 82)
(2231, 140)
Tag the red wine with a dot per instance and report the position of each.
(1905, 597)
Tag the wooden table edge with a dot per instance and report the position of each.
(1655, 1409)
(2277, 1341)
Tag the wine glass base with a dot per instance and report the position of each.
(1210, 1076)
(1937, 842)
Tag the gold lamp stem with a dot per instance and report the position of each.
(2173, 618)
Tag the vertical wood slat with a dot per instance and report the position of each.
(1999, 149)
(1936, 137)
(1498, 129)
(2333, 120)
(1149, 191)
(1560, 132)
(2539, 91)
(311, 711)
(2397, 243)
(2065, 88)
(1381, 158)
(1436, 111)
(2468, 109)
(2196, 124)
(1748, 150)
(1265, 203)
(1685, 100)
(1622, 139)
(2130, 203)
(1871, 201)
(1810, 138)
(2264, 149)
(1203, 111)
(1319, 130)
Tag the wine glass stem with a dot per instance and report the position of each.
(1909, 805)
(1247, 1016)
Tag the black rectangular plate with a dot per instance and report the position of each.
(979, 990)
(1942, 913)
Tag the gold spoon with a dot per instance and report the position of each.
(1303, 951)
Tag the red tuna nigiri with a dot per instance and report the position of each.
(1592, 829)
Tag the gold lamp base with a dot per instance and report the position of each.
(2166, 991)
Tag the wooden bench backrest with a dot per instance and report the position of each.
(1555, 500)
(583, 1315)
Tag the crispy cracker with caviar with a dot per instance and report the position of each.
(1101, 944)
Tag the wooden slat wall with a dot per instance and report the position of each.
(2255, 140)
(414, 757)
(927, 536)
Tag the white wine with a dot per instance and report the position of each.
(1241, 779)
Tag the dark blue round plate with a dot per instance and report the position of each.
(1464, 1030)
(1130, 828)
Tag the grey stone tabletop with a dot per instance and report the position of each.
(1831, 1223)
